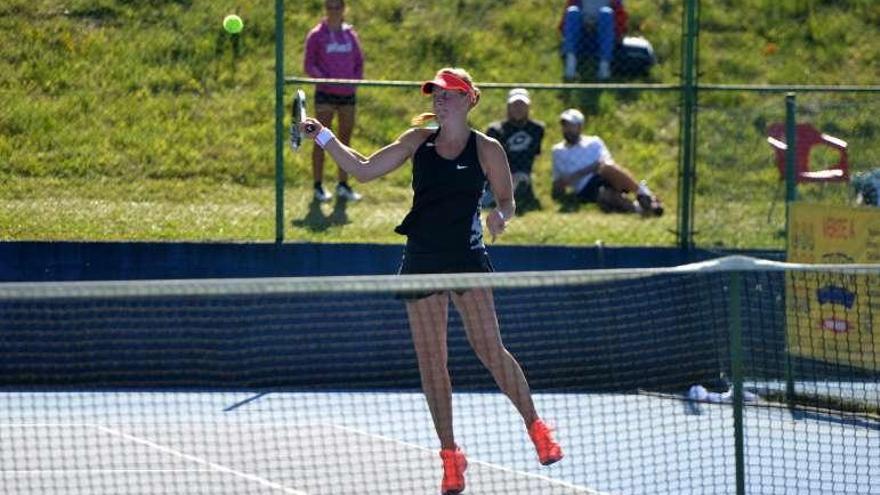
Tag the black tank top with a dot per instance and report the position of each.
(445, 215)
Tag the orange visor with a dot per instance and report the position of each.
(449, 81)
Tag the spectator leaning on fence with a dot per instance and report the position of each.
(584, 165)
(521, 138)
(332, 50)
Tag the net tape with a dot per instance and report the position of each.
(395, 283)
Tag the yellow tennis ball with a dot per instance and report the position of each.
(233, 24)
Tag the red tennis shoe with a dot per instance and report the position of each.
(548, 449)
(454, 464)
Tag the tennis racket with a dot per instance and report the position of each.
(298, 115)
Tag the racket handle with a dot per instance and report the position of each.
(310, 127)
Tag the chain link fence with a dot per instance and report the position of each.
(613, 56)
(740, 173)
(133, 122)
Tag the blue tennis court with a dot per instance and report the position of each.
(116, 388)
(342, 442)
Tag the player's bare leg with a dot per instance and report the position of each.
(477, 309)
(428, 319)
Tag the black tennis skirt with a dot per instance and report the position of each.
(420, 262)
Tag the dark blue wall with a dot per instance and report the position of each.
(658, 332)
(56, 261)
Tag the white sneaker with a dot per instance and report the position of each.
(322, 195)
(604, 71)
(570, 66)
(346, 192)
(650, 204)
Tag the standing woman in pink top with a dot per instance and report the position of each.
(334, 51)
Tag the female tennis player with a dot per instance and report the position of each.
(451, 164)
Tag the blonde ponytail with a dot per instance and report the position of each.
(476, 99)
(422, 119)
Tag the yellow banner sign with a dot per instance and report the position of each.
(831, 317)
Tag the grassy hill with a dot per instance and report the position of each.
(132, 120)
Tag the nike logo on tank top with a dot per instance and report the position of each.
(445, 215)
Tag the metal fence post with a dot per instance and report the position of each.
(790, 197)
(687, 128)
(279, 121)
(790, 153)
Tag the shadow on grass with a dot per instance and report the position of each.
(526, 201)
(588, 100)
(528, 205)
(316, 221)
(568, 203)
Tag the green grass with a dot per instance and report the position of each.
(130, 120)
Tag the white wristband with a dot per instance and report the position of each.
(324, 137)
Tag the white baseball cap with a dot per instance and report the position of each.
(573, 116)
(519, 94)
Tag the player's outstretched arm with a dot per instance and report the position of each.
(365, 168)
(497, 170)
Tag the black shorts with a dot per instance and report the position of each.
(471, 261)
(590, 192)
(322, 98)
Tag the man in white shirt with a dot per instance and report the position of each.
(584, 165)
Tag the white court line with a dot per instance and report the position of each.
(217, 467)
(580, 489)
(199, 460)
(273, 424)
(44, 425)
(101, 471)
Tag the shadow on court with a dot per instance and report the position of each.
(316, 221)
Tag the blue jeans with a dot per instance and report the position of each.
(597, 42)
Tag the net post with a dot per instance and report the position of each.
(790, 196)
(789, 364)
(279, 121)
(736, 363)
(790, 153)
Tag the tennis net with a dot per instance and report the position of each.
(731, 376)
